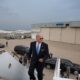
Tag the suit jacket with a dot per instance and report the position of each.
(43, 53)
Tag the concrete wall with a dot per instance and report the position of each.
(33, 35)
(68, 35)
(34, 32)
(55, 34)
(45, 32)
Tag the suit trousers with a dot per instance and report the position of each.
(39, 68)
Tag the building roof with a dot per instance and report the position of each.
(49, 25)
(75, 24)
(71, 24)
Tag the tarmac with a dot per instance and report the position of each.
(58, 49)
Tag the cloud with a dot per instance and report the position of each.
(37, 11)
(7, 15)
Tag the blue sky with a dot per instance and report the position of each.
(22, 12)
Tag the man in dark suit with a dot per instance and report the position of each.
(37, 55)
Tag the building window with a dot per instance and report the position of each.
(59, 24)
(66, 25)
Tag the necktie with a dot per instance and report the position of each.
(37, 48)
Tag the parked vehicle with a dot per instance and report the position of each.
(50, 63)
(20, 49)
(76, 67)
(2, 45)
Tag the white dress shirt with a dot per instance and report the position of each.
(37, 43)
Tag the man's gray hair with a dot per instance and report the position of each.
(39, 34)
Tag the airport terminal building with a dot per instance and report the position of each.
(68, 32)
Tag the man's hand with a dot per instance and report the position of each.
(40, 60)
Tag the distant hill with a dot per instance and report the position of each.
(15, 31)
(14, 27)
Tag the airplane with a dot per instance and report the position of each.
(11, 69)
